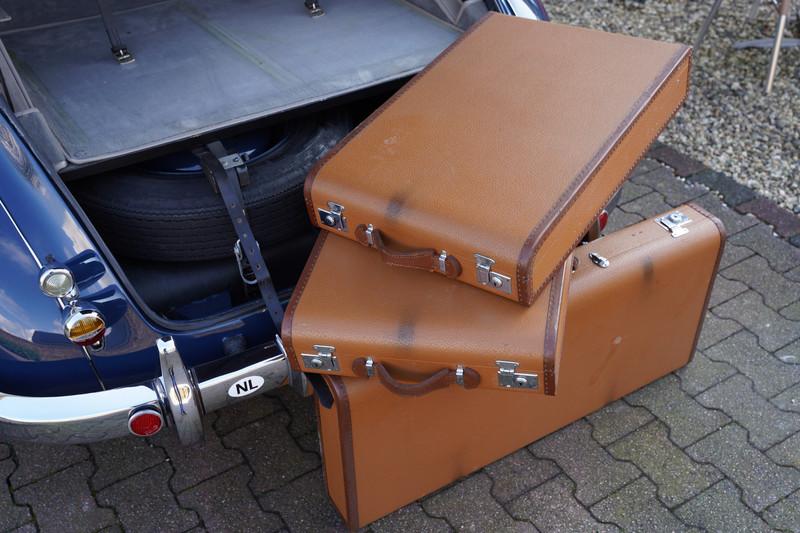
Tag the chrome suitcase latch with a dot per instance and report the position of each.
(487, 276)
(324, 359)
(675, 223)
(508, 377)
(333, 217)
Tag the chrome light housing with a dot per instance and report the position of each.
(58, 282)
(84, 326)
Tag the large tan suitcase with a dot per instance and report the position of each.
(491, 164)
(350, 315)
(627, 324)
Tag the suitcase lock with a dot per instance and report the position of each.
(486, 276)
(674, 223)
(508, 377)
(333, 217)
(324, 359)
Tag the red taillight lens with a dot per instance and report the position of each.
(602, 220)
(145, 423)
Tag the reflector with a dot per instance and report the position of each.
(145, 423)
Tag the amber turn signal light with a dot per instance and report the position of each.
(84, 326)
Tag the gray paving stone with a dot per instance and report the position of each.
(632, 190)
(242, 413)
(620, 219)
(790, 355)
(647, 206)
(616, 420)
(11, 515)
(194, 464)
(732, 254)
(596, 473)
(780, 254)
(647, 164)
(791, 311)
(119, 458)
(410, 518)
(304, 505)
(787, 453)
(5, 451)
(517, 473)
(733, 221)
(702, 373)
(63, 502)
(303, 417)
(552, 508)
(271, 452)
(725, 289)
(310, 442)
(144, 502)
(676, 475)
(687, 420)
(636, 508)
(720, 509)
(27, 528)
(715, 329)
(793, 274)
(765, 423)
(774, 287)
(225, 503)
(769, 374)
(773, 330)
(785, 515)
(36, 461)
(788, 400)
(732, 192)
(468, 506)
(674, 190)
(762, 481)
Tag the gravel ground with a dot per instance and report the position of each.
(728, 122)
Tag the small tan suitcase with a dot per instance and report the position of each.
(628, 323)
(491, 164)
(350, 315)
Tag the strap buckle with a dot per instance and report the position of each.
(245, 271)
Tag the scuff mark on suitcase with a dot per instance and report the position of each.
(396, 205)
(649, 269)
(406, 331)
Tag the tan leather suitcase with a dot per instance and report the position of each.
(491, 164)
(350, 315)
(627, 324)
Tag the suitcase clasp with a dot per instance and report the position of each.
(508, 377)
(324, 359)
(674, 223)
(333, 217)
(486, 276)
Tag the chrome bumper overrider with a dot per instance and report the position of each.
(104, 415)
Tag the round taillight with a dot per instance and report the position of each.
(84, 326)
(145, 423)
(57, 282)
(602, 220)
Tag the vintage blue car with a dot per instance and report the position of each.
(126, 303)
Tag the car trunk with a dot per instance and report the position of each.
(204, 70)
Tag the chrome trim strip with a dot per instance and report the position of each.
(21, 236)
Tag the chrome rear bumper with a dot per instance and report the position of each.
(177, 395)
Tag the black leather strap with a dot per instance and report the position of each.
(228, 183)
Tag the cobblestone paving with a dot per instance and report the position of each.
(714, 446)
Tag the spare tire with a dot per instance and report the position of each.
(165, 211)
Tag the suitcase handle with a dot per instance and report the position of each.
(419, 258)
(438, 380)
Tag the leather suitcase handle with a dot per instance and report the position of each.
(438, 380)
(419, 258)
